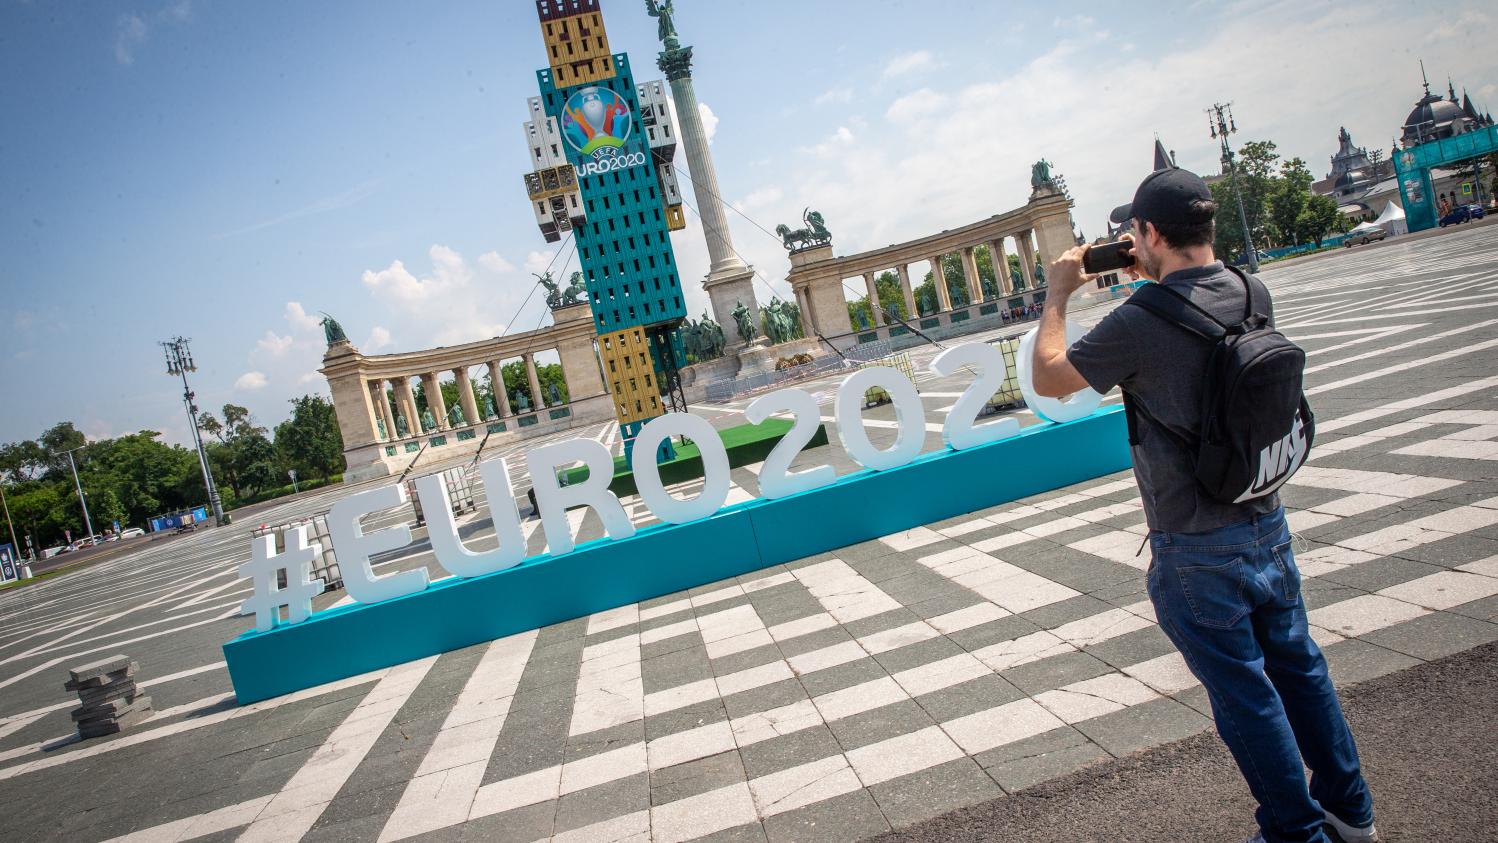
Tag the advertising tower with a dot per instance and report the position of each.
(602, 151)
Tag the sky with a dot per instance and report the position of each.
(227, 171)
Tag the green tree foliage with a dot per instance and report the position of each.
(1280, 208)
(1287, 203)
(517, 384)
(1319, 218)
(310, 441)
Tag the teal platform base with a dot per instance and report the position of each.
(664, 559)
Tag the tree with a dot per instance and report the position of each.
(1319, 217)
(310, 441)
(1287, 201)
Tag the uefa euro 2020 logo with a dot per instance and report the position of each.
(596, 120)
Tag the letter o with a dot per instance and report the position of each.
(1078, 405)
(715, 471)
(910, 417)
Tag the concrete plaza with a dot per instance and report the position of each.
(837, 697)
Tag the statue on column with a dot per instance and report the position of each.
(744, 322)
(402, 430)
(380, 426)
(490, 411)
(524, 403)
(666, 28)
(332, 331)
(456, 417)
(555, 394)
(428, 421)
(814, 234)
(1039, 274)
(1040, 174)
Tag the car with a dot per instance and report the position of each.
(1463, 213)
(132, 533)
(1364, 237)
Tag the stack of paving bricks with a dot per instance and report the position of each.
(111, 701)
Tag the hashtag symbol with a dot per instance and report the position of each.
(262, 571)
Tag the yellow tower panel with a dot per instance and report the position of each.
(631, 375)
(577, 48)
(675, 219)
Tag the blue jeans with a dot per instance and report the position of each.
(1230, 601)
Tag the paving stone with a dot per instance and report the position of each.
(973, 695)
(929, 793)
(1381, 573)
(1354, 660)
(680, 781)
(602, 802)
(95, 672)
(1032, 760)
(849, 817)
(1435, 635)
(1142, 726)
(763, 758)
(1055, 671)
(882, 723)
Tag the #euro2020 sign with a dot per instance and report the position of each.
(355, 547)
(597, 124)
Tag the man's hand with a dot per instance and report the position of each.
(1065, 275)
(1133, 270)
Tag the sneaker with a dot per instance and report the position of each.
(1351, 833)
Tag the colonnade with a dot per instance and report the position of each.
(405, 409)
(972, 283)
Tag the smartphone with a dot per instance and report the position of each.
(1107, 257)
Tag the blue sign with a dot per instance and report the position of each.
(8, 572)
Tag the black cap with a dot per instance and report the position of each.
(1165, 196)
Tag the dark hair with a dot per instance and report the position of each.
(1198, 231)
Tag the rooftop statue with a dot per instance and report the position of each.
(332, 330)
(553, 292)
(1040, 174)
(576, 292)
(814, 234)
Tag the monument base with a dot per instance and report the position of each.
(726, 291)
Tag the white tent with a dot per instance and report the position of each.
(1392, 220)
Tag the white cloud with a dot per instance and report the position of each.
(838, 95)
(709, 121)
(537, 262)
(495, 263)
(916, 104)
(379, 337)
(907, 63)
(300, 319)
(250, 381)
(309, 377)
(760, 198)
(274, 344)
(444, 304)
(834, 145)
(130, 32)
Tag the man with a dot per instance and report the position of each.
(1223, 579)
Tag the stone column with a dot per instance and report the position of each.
(1053, 235)
(803, 302)
(537, 399)
(874, 308)
(465, 396)
(501, 395)
(1001, 267)
(1026, 259)
(407, 400)
(904, 271)
(729, 281)
(939, 280)
(382, 407)
(970, 274)
(433, 391)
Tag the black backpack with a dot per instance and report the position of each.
(1256, 426)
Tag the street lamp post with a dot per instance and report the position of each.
(1220, 118)
(179, 363)
(3, 502)
(87, 522)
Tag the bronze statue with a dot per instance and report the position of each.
(1040, 174)
(576, 292)
(332, 330)
(402, 430)
(666, 28)
(553, 292)
(815, 233)
(745, 324)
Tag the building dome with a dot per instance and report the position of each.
(1432, 118)
(1350, 180)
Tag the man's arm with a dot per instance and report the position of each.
(1054, 375)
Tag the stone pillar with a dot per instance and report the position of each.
(465, 396)
(803, 302)
(1026, 259)
(1001, 267)
(970, 274)
(501, 395)
(382, 407)
(580, 368)
(1053, 235)
(873, 291)
(939, 280)
(407, 400)
(829, 307)
(537, 399)
(433, 391)
(904, 271)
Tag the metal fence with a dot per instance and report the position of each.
(460, 491)
(326, 564)
(723, 390)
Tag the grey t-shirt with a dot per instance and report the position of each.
(1161, 366)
